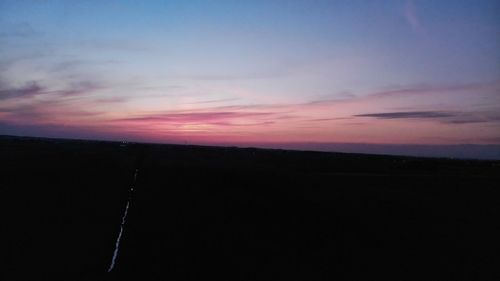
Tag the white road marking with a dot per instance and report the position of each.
(124, 218)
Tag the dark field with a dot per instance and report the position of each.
(202, 213)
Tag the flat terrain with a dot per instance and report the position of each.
(200, 213)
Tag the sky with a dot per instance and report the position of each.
(381, 73)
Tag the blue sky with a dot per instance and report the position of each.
(269, 66)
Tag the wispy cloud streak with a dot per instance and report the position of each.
(412, 114)
(410, 14)
(442, 116)
(30, 89)
(195, 116)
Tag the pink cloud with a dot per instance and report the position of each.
(330, 120)
(189, 117)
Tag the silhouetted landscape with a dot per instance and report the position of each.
(226, 213)
(237, 140)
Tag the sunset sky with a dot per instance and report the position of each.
(231, 72)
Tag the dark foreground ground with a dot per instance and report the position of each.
(203, 213)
